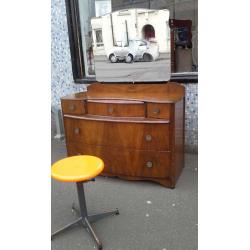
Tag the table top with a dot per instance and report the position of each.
(77, 168)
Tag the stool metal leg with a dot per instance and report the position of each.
(92, 232)
(96, 217)
(81, 198)
(66, 228)
(84, 217)
(84, 213)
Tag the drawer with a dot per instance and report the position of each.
(118, 134)
(127, 162)
(74, 107)
(159, 110)
(117, 109)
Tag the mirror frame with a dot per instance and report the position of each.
(76, 50)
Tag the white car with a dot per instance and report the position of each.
(136, 50)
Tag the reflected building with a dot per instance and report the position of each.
(130, 24)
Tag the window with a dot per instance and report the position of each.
(98, 38)
(183, 39)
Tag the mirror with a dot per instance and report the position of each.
(132, 45)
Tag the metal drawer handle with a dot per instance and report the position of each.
(149, 164)
(156, 111)
(77, 130)
(72, 107)
(110, 109)
(148, 138)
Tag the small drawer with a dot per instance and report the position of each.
(159, 110)
(116, 109)
(75, 107)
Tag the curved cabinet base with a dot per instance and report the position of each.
(166, 182)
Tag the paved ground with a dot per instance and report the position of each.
(136, 71)
(151, 216)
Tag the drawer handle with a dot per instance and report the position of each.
(72, 107)
(77, 131)
(156, 111)
(148, 138)
(149, 164)
(110, 109)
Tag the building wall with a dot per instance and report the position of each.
(62, 78)
(191, 117)
(61, 70)
(136, 20)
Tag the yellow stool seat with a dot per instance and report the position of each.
(77, 168)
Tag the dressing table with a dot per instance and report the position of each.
(137, 129)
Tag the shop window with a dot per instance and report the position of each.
(183, 38)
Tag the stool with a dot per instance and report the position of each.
(80, 169)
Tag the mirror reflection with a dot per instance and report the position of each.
(132, 45)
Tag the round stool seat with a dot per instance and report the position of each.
(77, 168)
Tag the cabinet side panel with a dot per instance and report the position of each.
(179, 137)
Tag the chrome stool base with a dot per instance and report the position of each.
(84, 218)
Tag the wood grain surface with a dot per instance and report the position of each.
(137, 129)
(123, 135)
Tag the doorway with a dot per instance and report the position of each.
(148, 32)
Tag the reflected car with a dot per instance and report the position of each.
(136, 50)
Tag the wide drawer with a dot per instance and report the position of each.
(159, 110)
(123, 134)
(116, 108)
(74, 107)
(127, 162)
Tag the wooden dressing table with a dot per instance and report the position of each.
(137, 129)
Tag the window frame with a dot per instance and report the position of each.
(76, 50)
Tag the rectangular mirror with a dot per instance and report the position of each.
(132, 45)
